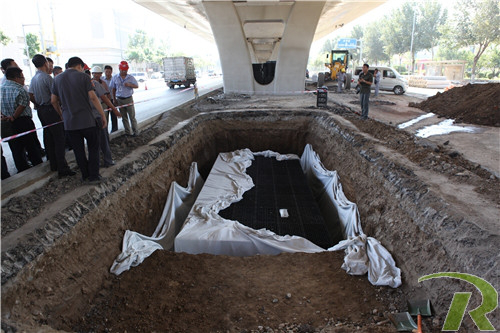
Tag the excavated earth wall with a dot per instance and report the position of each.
(74, 251)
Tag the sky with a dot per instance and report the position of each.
(32, 12)
(74, 25)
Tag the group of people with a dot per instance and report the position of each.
(73, 106)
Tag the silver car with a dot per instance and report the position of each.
(391, 80)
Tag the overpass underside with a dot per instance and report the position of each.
(263, 45)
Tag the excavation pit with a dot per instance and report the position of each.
(68, 282)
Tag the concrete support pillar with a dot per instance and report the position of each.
(232, 46)
(254, 32)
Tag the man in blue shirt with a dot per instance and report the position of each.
(108, 75)
(122, 87)
(53, 136)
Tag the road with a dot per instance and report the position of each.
(154, 100)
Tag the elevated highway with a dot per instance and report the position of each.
(263, 45)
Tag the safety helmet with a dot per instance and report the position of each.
(123, 66)
(342, 70)
(96, 69)
(86, 67)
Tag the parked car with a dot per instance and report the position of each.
(156, 76)
(139, 76)
(391, 80)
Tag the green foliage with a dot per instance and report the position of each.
(396, 30)
(329, 45)
(374, 45)
(4, 39)
(33, 45)
(432, 18)
(477, 23)
(453, 53)
(142, 49)
(492, 61)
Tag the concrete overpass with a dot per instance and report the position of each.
(263, 45)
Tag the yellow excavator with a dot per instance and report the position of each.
(338, 60)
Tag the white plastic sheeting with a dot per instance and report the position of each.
(363, 254)
(204, 231)
(137, 247)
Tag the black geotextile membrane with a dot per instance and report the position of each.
(280, 185)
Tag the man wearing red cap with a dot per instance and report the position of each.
(122, 87)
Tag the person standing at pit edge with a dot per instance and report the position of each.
(108, 75)
(101, 91)
(73, 89)
(365, 81)
(377, 75)
(53, 136)
(122, 87)
(15, 106)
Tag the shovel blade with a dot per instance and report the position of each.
(403, 321)
(422, 307)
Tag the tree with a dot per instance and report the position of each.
(493, 61)
(413, 27)
(357, 33)
(373, 44)
(329, 45)
(4, 39)
(396, 33)
(140, 47)
(433, 17)
(477, 24)
(33, 45)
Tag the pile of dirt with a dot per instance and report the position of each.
(473, 104)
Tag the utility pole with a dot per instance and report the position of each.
(360, 51)
(44, 50)
(26, 47)
(411, 44)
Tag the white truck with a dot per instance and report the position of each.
(179, 71)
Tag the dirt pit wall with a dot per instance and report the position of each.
(423, 233)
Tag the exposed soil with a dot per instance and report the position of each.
(472, 104)
(178, 292)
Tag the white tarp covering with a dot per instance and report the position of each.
(204, 231)
(363, 254)
(137, 247)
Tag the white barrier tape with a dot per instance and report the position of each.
(15, 136)
(147, 100)
(27, 132)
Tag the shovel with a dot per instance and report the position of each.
(420, 308)
(402, 321)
